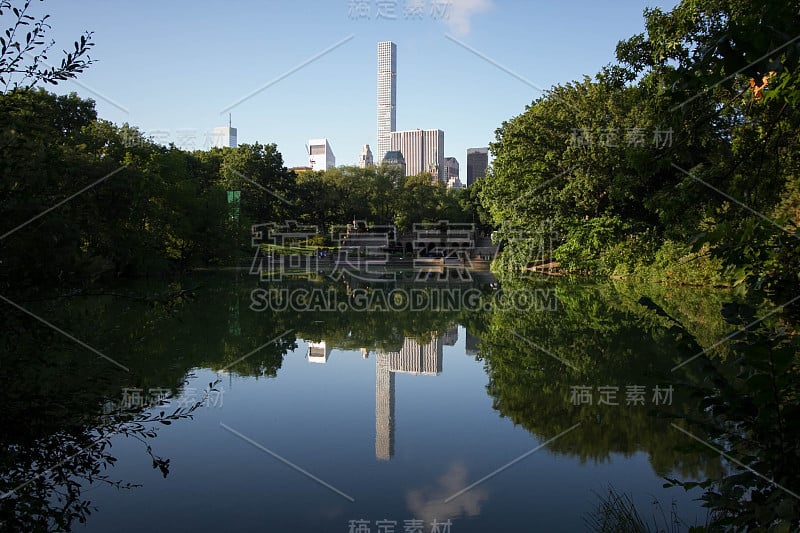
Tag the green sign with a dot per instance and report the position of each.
(233, 199)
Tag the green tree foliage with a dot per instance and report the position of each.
(672, 144)
(711, 54)
(83, 198)
(378, 194)
(749, 407)
(598, 336)
(24, 61)
(581, 157)
(268, 187)
(126, 206)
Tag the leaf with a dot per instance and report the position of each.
(783, 359)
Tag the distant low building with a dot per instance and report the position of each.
(471, 344)
(455, 183)
(320, 155)
(450, 337)
(395, 157)
(318, 352)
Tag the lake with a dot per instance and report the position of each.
(355, 406)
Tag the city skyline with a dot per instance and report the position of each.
(272, 80)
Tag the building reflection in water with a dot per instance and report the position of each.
(471, 344)
(412, 358)
(450, 337)
(318, 352)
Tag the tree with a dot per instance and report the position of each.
(418, 200)
(734, 65)
(143, 208)
(568, 161)
(24, 62)
(268, 187)
(725, 181)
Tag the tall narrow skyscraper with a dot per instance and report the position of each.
(387, 96)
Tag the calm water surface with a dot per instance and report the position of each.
(316, 420)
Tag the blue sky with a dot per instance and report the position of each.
(172, 67)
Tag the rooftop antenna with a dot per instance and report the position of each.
(229, 120)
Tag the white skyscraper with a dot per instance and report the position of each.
(365, 159)
(225, 136)
(423, 151)
(387, 95)
(320, 155)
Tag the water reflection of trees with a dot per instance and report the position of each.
(740, 396)
(64, 403)
(750, 404)
(612, 337)
(42, 477)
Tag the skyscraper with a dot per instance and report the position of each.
(477, 163)
(423, 151)
(365, 159)
(387, 96)
(225, 136)
(450, 168)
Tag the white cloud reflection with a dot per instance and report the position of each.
(428, 502)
